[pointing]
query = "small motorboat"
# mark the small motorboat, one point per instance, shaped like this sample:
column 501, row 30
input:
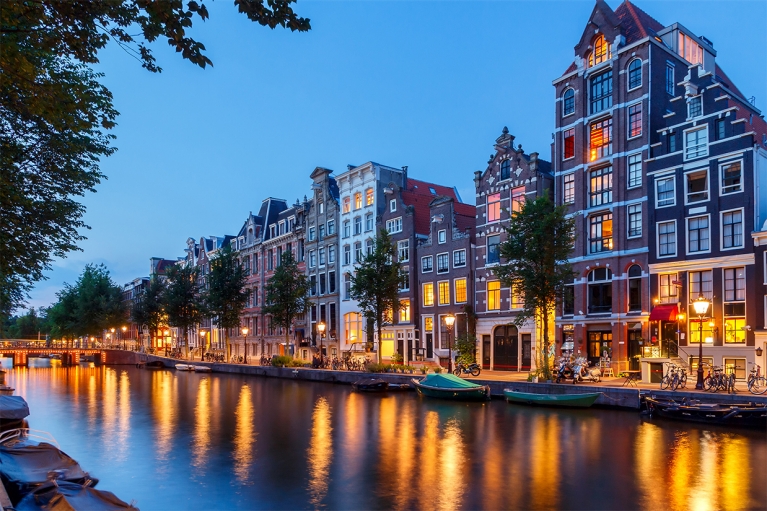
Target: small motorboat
column 154, row 364
column 370, row 385
column 584, row 400
column 184, row 367
column 201, row 369
column 13, row 411
column 60, row 495
column 448, row 386
column 728, row 414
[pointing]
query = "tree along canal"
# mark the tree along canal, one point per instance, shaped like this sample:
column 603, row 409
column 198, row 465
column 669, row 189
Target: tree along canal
column 173, row 440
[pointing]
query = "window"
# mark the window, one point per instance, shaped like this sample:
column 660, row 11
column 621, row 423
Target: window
column 601, row 92
column 669, row 78
column 404, row 311
column 689, row 49
column 671, row 142
column 667, row 288
column 428, row 294
column 635, row 74
column 369, row 222
column 568, row 137
column 494, row 207
column 322, row 256
column 358, row 255
column 701, row 283
column 369, row 246
column 394, row 225
column 517, row 198
column 601, row 51
column 517, row 298
column 331, row 254
column 321, row 276
column 731, row 177
column 493, row 249
column 600, row 186
column 443, row 263
column 494, row 295
column 735, row 365
column 568, row 301
column 696, row 183
column 444, row 292
column 347, row 286
column 311, row 234
column 321, row 207
column 428, row 324
column 600, row 291
column 313, row 285
column 405, row 282
column 322, row 232
column 459, row 258
column 312, row 259
column 708, row 335
column 697, row 234
column 720, row 129
column 393, row 205
column 369, row 197
column 665, row 192
column 601, row 138
column 331, row 227
column 358, row 200
column 635, row 120
column 427, row 264
column 357, row 225
column 347, row 229
column 634, row 213
column 666, row 239
column 347, row 204
column 568, row 192
column 347, row 254
column 442, row 236
column 734, row 305
column 353, row 322
column 331, row 283
column 270, row 261
column 568, row 102
column 732, row 229
column 505, row 169
column 601, row 233
column 403, row 251
column 460, row 290
column 635, row 288
column 635, row 170
column 694, row 107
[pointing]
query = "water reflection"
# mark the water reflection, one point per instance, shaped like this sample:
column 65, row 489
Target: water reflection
column 320, row 453
column 451, row 471
column 244, row 436
column 201, row 426
column 163, row 401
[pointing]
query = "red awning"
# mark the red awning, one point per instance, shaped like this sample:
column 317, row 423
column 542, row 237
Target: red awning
column 663, row 313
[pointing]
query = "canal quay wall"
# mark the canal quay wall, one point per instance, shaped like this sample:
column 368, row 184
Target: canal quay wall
column 612, row 396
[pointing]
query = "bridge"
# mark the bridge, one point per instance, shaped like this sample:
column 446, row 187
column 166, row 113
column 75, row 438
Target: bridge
column 21, row 350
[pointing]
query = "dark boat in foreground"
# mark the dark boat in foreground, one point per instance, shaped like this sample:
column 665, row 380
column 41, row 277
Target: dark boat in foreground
column 377, row 385
column 584, row 400
column 13, row 411
column 448, row 386
column 63, row 496
column 742, row 414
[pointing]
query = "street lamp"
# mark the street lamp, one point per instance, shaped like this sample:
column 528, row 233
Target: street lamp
column 700, row 306
column 449, row 321
column 124, row 328
column 204, row 347
column 321, row 330
column 245, row 333
column 112, row 337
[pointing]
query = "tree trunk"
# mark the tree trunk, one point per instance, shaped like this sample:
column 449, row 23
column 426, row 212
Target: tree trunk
column 186, row 342
column 379, row 351
column 228, row 354
column 546, row 371
column 287, row 339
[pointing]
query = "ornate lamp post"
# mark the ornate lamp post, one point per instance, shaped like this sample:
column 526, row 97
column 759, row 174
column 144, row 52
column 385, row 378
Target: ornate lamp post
column 700, row 306
column 321, row 330
column 124, row 328
column 449, row 322
column 245, row 333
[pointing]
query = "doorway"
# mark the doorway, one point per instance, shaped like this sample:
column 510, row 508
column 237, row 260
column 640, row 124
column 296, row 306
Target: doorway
column 485, row 352
column 429, row 345
column 600, row 344
column 526, row 352
column 506, row 348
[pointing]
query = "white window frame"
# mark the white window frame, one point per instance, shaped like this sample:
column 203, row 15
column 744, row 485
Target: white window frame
column 563, row 102
column 699, row 97
column 721, row 176
column 439, row 295
column 403, row 245
column 392, row 205
column 369, row 216
column 685, row 148
column 657, row 239
column 658, row 180
column 628, row 121
column 446, row 254
column 742, row 230
column 628, row 221
column 431, row 265
column 423, row 294
column 394, row 225
column 628, row 170
column 442, row 236
column 687, row 234
column 687, row 191
column 628, row 74
column 455, row 289
column 565, row 198
column 464, row 258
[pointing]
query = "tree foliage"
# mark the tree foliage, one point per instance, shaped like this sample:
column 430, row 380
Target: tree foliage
column 148, row 309
column 182, row 300
column 376, row 284
column 55, row 114
column 466, row 347
column 287, row 294
column 225, row 295
column 27, row 326
column 540, row 238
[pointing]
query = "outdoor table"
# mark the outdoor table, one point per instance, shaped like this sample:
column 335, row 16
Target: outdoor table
column 632, row 377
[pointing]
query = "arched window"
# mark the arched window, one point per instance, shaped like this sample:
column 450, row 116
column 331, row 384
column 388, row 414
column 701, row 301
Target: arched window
column 635, row 74
column 600, row 291
column 505, row 169
column 601, row 51
column 635, row 288
column 568, row 102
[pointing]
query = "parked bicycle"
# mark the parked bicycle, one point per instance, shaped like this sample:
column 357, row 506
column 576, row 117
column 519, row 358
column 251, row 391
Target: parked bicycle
column 757, row 383
column 675, row 377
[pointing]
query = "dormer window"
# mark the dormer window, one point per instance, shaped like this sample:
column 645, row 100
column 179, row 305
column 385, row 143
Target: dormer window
column 601, row 51
column 432, row 190
column 505, row 170
column 689, row 50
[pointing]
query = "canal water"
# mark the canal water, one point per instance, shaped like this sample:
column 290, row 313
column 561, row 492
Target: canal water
column 177, row 440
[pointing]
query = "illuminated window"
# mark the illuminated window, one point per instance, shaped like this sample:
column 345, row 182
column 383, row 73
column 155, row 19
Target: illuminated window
column 353, row 327
column 494, row 295
column 369, row 197
column 689, row 49
column 600, row 139
column 428, row 324
column 404, row 311
column 708, row 331
column 357, row 200
column 600, row 186
column 444, row 292
column 601, row 233
column 569, row 189
column 635, row 120
column 428, row 294
column 568, row 137
column 494, row 207
column 667, row 289
column 347, row 204
column 601, row 51
column 568, row 102
column 460, row 290
column 517, row 198
column 517, row 298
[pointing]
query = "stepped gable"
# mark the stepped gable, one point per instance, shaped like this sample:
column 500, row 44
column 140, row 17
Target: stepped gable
column 418, row 194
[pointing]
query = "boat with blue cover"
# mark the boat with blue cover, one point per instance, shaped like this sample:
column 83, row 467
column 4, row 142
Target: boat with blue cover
column 448, row 386
column 583, row 400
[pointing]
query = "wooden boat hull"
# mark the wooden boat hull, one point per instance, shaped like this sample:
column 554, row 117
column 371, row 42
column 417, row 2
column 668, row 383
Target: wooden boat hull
column 184, row 367
column 370, row 385
column 746, row 415
column 481, row 393
column 201, row 369
column 559, row 400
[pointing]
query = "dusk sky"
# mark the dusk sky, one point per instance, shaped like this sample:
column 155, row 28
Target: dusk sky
column 429, row 85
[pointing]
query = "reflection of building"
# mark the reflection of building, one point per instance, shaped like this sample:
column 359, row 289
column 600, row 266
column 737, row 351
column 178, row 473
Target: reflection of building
column 511, row 176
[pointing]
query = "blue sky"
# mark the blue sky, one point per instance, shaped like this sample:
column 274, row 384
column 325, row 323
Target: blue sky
column 424, row 84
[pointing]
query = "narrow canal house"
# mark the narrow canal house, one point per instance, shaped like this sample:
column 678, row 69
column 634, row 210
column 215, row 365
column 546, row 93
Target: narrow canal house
column 408, row 217
column 199, row 254
column 511, row 177
column 322, row 264
column 248, row 246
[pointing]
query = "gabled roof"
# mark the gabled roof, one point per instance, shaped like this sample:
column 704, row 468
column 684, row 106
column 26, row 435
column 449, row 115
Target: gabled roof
column 635, row 23
column 419, row 194
column 722, row 77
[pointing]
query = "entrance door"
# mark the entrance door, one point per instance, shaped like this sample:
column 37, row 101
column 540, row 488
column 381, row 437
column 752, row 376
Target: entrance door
column 505, row 348
column 635, row 350
column 485, row 352
column 668, row 335
column 600, row 343
column 429, row 345
column 526, row 349
column 400, row 347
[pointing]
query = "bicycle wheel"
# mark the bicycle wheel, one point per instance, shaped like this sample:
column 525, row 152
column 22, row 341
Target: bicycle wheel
column 683, row 381
column 457, row 371
column 674, row 383
column 731, row 383
column 708, row 383
column 665, row 382
column 758, row 385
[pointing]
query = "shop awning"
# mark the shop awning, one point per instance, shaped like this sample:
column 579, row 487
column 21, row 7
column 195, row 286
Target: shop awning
column 663, row 313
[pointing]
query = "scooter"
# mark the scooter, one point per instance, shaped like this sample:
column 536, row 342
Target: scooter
column 472, row 369
column 565, row 370
column 582, row 372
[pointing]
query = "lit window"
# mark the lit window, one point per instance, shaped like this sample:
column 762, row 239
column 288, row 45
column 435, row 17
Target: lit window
column 568, row 189
column 601, row 92
column 517, row 198
column 601, row 138
column 404, row 311
column 732, row 229
column 734, row 305
column 635, row 120
column 494, row 295
column 731, row 177
column 689, row 49
column 444, row 292
column 568, row 138
column 517, row 298
column 357, row 200
column 666, row 239
column 568, row 102
column 635, row 170
column 428, row 294
column 668, row 290
column 460, row 290
column 347, row 202
column 600, row 186
column 697, row 185
column 696, row 143
column 698, row 234
column 601, row 233
column 494, row 207
column 635, row 74
column 369, row 197
column 601, row 51
column 428, row 324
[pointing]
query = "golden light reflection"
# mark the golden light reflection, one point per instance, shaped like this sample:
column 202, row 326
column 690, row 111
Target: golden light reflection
column 452, row 478
column 428, row 462
column 244, row 436
column 320, row 452
column 109, row 405
column 544, row 483
column 92, row 401
column 202, row 425
column 735, row 478
column 163, row 385
column 123, row 414
column 405, row 447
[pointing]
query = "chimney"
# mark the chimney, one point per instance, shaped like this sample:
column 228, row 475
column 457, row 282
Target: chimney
column 534, row 161
column 477, row 177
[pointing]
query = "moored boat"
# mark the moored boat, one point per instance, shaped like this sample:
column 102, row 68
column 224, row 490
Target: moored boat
column 63, row 495
column 726, row 414
column 13, row 411
column 584, row 400
column 370, row 385
column 184, row 367
column 448, row 386
column 201, row 369
column 154, row 364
